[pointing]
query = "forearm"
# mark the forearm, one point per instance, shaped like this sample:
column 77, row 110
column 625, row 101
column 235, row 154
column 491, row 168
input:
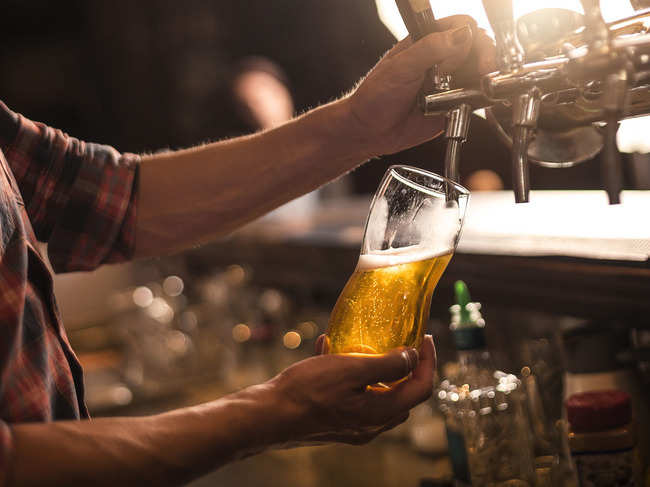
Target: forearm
column 167, row 450
column 192, row 196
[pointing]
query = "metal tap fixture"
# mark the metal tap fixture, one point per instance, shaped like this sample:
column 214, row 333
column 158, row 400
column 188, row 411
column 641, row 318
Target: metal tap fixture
column 563, row 84
column 420, row 21
column 525, row 105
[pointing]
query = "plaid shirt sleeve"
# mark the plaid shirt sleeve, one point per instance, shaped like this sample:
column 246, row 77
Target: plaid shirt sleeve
column 81, row 197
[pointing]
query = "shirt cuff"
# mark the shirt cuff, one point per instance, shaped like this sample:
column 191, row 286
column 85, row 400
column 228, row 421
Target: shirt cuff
column 98, row 223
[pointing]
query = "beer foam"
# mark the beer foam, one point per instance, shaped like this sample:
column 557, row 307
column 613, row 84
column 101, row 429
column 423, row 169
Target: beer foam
column 393, row 257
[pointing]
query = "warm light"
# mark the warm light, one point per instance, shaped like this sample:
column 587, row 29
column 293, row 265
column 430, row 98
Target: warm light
column 390, row 17
column 523, row 7
column 159, row 310
column 389, row 14
column 616, row 9
column 308, row 329
column 177, row 342
column 173, row 286
column 291, row 340
column 236, row 275
column 271, row 301
column 121, row 395
column 142, row 296
column 633, row 135
column 241, row 333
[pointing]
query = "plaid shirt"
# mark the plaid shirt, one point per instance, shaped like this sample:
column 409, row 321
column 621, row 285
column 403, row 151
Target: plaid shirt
column 80, row 198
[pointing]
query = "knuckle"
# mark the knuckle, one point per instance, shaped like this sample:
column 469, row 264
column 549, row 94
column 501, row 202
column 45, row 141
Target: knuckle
column 466, row 19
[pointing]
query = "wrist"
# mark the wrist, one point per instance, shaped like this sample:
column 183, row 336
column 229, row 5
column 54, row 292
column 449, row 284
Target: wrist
column 265, row 415
column 353, row 129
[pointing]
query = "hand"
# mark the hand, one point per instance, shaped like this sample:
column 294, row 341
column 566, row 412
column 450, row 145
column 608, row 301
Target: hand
column 327, row 399
column 384, row 105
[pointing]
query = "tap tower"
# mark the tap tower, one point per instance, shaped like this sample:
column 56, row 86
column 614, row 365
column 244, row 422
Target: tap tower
column 557, row 97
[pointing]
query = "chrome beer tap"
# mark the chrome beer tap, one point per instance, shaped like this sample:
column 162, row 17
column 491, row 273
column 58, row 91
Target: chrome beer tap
column 563, row 106
column 420, row 21
column 525, row 104
column 612, row 68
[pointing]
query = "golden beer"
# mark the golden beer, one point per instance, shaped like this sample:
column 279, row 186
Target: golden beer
column 386, row 302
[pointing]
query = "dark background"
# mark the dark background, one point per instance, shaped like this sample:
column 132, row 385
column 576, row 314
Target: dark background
column 151, row 74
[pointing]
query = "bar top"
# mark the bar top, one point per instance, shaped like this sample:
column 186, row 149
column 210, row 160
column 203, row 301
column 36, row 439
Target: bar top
column 578, row 224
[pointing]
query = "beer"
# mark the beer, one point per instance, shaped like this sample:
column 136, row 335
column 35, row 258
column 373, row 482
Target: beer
column 385, row 303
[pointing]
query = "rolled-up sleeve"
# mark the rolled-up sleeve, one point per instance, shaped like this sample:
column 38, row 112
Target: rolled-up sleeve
column 81, row 197
column 5, row 452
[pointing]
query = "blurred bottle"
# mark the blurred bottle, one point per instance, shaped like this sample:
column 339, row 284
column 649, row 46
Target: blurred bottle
column 484, row 409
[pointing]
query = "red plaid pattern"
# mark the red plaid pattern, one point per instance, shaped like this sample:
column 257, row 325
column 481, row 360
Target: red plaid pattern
column 80, row 198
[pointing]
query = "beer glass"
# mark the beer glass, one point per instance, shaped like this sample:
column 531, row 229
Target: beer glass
column 411, row 233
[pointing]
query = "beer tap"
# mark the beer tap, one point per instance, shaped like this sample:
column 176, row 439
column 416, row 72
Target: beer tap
column 525, row 104
column 420, row 21
column 558, row 110
column 611, row 66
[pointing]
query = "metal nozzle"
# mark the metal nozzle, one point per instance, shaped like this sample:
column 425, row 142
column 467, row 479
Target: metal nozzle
column 525, row 114
column 457, row 131
column 610, row 169
column 615, row 101
column 520, row 167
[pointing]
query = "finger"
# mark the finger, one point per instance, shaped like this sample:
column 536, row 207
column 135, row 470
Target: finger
column 318, row 347
column 446, row 23
column 483, row 52
column 435, row 356
column 486, row 53
column 454, row 21
column 388, row 367
column 424, row 371
column 410, row 393
column 481, row 60
column 322, row 346
column 447, row 49
column 399, row 47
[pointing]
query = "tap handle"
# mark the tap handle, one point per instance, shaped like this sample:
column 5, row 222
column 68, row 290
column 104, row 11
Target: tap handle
column 418, row 18
column 420, row 22
column 510, row 54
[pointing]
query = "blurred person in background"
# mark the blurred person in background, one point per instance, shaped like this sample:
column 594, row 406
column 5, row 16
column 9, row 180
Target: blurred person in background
column 93, row 205
column 262, row 99
column 261, row 92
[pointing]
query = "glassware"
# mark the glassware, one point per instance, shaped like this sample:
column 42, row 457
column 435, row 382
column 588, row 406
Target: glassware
column 411, row 233
column 484, row 409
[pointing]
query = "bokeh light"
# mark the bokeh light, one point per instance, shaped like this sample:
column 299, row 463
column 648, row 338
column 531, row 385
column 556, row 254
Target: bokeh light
column 292, row 340
column 241, row 333
column 173, row 286
column 142, row 296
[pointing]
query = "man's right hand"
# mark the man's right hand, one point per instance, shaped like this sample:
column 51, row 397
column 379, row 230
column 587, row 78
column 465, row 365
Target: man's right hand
column 326, row 398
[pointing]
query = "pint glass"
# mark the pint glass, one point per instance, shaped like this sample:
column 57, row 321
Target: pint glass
column 411, row 233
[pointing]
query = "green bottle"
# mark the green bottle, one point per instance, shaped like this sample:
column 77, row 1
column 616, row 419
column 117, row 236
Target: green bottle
column 484, row 414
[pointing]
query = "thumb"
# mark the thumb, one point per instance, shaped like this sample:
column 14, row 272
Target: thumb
column 389, row 367
column 446, row 49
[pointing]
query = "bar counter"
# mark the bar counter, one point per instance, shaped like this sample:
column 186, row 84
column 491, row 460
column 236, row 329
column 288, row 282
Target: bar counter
column 569, row 252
